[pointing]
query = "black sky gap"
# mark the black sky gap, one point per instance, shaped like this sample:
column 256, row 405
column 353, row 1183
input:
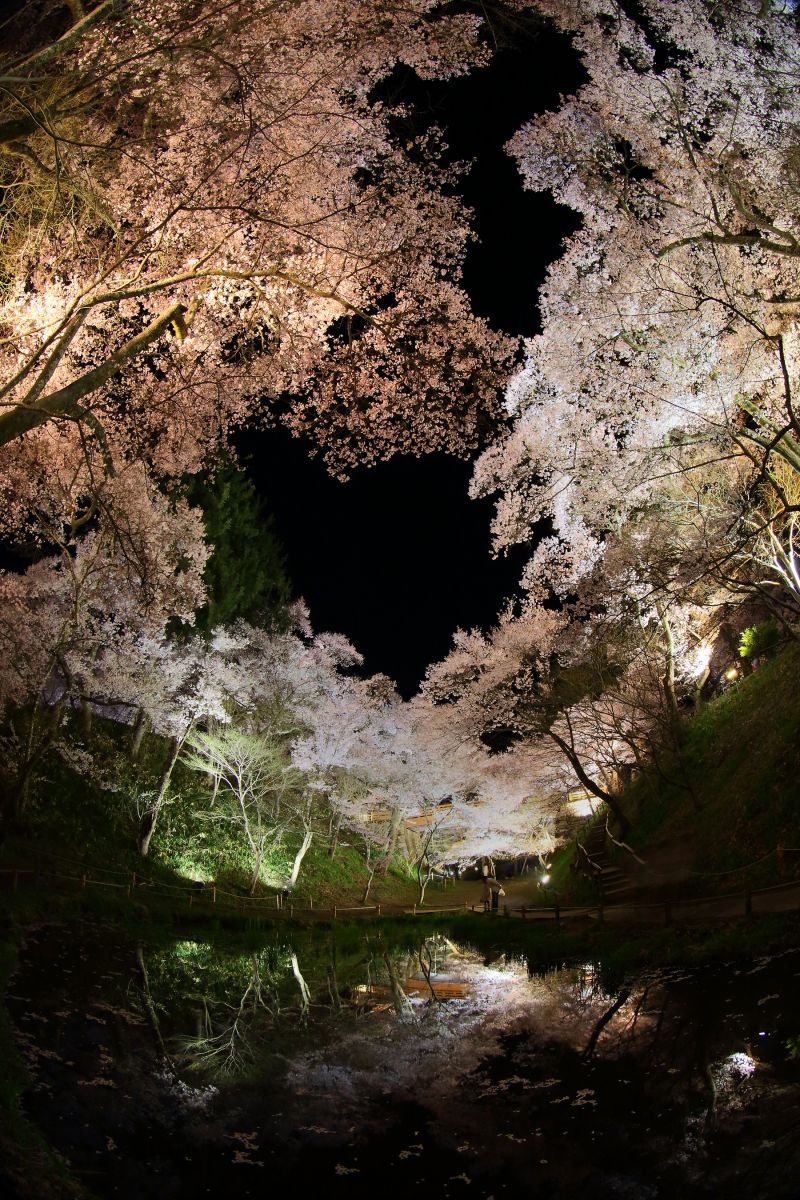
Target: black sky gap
column 399, row 557
column 395, row 559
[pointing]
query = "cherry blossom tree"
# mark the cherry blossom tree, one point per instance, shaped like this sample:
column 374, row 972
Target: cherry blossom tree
column 208, row 220
column 669, row 335
column 262, row 238
column 211, row 220
column 141, row 563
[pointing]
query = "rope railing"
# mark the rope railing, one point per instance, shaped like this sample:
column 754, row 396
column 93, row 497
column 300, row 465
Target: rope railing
column 778, row 851
column 241, row 904
column 213, row 894
column 77, row 862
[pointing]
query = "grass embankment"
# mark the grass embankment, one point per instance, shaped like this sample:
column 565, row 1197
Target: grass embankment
column 724, row 814
column 708, row 821
column 82, row 818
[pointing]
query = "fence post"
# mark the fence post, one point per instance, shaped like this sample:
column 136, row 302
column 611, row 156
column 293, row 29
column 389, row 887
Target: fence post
column 748, row 903
column 214, row 893
column 310, row 901
column 191, row 898
column 557, row 911
column 133, row 880
column 83, row 881
column 379, row 910
column 524, row 912
column 334, row 912
column 415, row 910
column 291, row 910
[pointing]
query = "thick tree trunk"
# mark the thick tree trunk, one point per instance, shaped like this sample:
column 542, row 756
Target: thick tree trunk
column 137, row 734
column 399, row 997
column 622, row 821
column 66, row 401
column 86, row 715
column 149, row 1006
column 337, row 825
column 600, row 1025
column 391, row 840
column 305, row 994
column 258, row 858
column 668, row 679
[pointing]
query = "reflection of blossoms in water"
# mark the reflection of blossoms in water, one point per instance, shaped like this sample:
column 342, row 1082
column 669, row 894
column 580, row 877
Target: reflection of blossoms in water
column 414, row 1038
column 191, row 1099
column 733, row 1069
column 410, row 1058
column 431, row 1031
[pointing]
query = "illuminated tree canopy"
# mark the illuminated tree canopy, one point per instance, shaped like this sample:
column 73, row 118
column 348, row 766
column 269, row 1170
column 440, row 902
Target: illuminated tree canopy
column 209, row 219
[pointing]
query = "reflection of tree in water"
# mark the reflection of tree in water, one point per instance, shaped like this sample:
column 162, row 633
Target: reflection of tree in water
column 237, row 1005
column 350, row 1017
column 229, row 1000
column 495, row 1064
column 228, row 1034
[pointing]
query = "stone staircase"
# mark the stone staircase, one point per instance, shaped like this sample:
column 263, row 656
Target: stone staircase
column 615, row 885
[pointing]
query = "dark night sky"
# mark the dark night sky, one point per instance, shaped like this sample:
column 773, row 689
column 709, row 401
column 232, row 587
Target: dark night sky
column 399, row 557
column 396, row 558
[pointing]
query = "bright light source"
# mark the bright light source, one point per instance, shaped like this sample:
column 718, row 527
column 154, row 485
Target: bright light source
column 545, row 879
column 698, row 660
column 731, row 672
column 581, row 808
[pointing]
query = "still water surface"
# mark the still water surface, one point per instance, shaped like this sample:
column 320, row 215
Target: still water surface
column 359, row 1066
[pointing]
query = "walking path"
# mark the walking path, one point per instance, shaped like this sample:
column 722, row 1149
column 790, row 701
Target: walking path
column 210, row 900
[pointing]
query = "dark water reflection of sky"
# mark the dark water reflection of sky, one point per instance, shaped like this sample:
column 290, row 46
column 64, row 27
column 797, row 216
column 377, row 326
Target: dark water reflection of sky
column 364, row 1067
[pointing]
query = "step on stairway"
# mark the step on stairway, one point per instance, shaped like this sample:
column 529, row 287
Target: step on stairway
column 615, row 884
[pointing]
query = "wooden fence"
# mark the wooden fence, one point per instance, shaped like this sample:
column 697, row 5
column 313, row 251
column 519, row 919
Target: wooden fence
column 210, row 898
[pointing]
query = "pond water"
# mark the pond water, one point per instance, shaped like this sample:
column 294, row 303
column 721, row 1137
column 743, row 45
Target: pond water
column 361, row 1066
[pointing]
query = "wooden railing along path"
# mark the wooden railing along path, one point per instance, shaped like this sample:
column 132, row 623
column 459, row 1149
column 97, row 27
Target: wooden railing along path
column 209, row 898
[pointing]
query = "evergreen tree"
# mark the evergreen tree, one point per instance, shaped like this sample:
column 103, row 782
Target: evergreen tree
column 246, row 571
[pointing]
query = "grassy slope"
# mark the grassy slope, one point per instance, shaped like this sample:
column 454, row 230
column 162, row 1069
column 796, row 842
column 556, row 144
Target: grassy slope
column 71, row 821
column 741, row 762
column 711, row 822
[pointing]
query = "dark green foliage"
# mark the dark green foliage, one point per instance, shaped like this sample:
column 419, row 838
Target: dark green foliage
column 741, row 755
column 760, row 641
column 246, row 572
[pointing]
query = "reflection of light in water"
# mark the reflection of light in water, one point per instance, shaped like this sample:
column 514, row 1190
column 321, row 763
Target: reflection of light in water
column 745, row 1064
column 430, row 1031
column 734, row 1068
column 192, row 1099
column 587, row 986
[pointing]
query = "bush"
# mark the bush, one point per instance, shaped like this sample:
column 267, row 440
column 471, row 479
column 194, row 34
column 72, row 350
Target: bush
column 760, row 641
